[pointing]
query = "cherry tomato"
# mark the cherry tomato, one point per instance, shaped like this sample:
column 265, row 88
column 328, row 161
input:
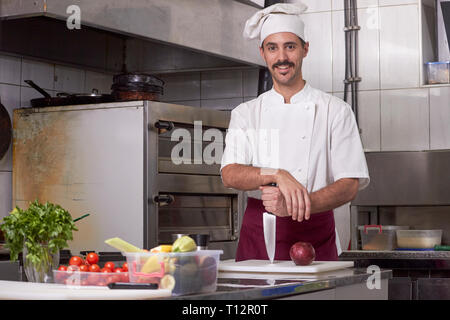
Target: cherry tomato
column 75, row 261
column 105, row 270
column 94, row 268
column 125, row 267
column 92, row 258
column 84, row 268
column 118, row 270
column 62, row 268
column 110, row 265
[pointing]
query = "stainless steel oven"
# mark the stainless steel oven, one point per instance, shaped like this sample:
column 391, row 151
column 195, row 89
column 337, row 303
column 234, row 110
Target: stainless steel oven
column 144, row 170
column 185, row 146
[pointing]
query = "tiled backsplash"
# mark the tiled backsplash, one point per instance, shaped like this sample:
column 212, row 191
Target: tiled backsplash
column 221, row 90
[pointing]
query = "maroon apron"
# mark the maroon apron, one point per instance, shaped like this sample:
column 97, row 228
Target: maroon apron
column 319, row 230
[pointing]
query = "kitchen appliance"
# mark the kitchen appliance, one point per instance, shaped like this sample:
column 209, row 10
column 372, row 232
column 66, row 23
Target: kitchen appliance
column 143, row 169
column 65, row 99
column 5, row 131
column 263, row 266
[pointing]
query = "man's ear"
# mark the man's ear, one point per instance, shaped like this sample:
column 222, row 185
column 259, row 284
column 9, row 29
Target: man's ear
column 305, row 49
column 261, row 52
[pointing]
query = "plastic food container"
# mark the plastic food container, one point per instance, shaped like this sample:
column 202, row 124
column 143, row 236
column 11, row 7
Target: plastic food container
column 184, row 272
column 438, row 72
column 379, row 237
column 80, row 278
column 418, row 239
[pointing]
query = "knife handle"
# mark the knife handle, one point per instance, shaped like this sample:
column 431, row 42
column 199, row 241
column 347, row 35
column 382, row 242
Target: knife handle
column 272, row 184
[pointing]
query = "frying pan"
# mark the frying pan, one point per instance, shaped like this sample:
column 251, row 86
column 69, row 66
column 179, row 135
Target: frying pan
column 5, row 131
column 65, row 99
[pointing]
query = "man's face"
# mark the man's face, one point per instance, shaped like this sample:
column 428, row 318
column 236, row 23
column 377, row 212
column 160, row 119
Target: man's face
column 284, row 53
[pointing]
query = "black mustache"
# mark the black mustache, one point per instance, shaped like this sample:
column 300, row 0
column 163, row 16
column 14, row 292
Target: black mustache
column 283, row 63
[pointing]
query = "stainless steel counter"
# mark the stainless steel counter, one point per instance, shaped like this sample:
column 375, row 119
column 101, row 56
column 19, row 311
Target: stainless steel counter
column 365, row 254
column 343, row 284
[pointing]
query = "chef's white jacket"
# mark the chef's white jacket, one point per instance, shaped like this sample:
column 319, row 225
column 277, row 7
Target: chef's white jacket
column 315, row 138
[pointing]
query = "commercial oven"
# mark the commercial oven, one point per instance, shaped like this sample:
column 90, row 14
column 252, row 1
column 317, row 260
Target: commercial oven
column 143, row 170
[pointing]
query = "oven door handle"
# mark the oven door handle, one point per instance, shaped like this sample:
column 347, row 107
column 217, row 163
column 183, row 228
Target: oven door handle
column 164, row 125
column 164, row 199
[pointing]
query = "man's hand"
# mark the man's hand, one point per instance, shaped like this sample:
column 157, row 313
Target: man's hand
column 273, row 201
column 294, row 195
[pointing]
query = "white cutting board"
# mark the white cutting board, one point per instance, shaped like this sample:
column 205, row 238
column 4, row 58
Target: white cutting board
column 18, row 290
column 281, row 266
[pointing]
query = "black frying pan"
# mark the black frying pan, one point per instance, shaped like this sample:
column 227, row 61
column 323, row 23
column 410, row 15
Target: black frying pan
column 65, row 99
column 5, row 131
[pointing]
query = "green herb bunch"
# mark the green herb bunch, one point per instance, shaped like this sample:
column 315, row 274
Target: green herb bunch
column 40, row 224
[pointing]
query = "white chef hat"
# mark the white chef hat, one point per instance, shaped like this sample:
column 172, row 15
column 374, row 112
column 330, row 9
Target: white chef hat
column 280, row 17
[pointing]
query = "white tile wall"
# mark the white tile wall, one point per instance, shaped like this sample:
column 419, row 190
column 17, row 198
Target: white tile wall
column 396, row 2
column 368, row 118
column 5, row 193
column 399, row 49
column 221, row 84
column 314, row 5
column 405, row 120
column 250, row 82
column 10, row 97
column 369, row 50
column 181, row 87
column 339, row 4
column 440, row 118
column 100, row 81
column 222, row 104
column 69, row 80
column 41, row 73
column 10, row 69
column 317, row 66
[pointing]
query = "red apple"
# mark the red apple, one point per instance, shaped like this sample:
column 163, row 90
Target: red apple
column 302, row 253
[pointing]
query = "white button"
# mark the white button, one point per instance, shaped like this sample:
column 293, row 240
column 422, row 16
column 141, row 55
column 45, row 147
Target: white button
column 299, row 170
column 307, row 107
column 303, row 137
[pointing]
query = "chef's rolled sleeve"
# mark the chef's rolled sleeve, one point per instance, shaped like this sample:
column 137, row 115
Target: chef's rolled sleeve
column 347, row 153
column 237, row 144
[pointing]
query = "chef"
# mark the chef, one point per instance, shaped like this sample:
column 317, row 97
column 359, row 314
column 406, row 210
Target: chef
column 301, row 139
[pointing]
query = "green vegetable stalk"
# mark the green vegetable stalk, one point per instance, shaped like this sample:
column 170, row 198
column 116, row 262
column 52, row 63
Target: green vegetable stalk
column 41, row 225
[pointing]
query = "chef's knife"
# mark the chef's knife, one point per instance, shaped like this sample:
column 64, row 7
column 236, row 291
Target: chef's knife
column 269, row 227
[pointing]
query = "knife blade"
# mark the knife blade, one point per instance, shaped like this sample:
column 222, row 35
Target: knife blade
column 270, row 227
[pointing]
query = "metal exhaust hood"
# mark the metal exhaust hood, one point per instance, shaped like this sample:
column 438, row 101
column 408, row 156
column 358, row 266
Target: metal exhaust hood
column 156, row 36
